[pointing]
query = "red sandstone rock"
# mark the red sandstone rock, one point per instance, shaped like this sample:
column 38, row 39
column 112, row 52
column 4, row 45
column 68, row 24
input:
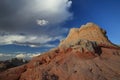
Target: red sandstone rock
column 87, row 58
column 13, row 73
column 90, row 32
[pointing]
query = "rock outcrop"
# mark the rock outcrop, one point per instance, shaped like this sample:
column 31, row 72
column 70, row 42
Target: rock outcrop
column 90, row 32
column 86, row 54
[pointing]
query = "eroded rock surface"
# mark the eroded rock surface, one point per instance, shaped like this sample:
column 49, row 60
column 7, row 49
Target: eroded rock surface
column 78, row 57
column 13, row 73
column 72, row 64
column 90, row 32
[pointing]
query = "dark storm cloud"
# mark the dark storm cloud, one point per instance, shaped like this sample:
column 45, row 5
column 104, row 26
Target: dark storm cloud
column 21, row 20
column 9, row 18
column 21, row 15
column 7, row 7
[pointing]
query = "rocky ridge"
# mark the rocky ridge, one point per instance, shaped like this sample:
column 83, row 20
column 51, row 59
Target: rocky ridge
column 81, row 56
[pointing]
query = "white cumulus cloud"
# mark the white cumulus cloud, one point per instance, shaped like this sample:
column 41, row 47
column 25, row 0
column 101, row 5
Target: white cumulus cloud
column 20, row 55
column 4, row 56
column 1, row 55
column 42, row 22
column 52, row 11
column 28, row 40
column 26, row 55
column 34, row 55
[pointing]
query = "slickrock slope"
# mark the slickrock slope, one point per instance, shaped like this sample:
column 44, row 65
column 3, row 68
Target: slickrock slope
column 78, row 57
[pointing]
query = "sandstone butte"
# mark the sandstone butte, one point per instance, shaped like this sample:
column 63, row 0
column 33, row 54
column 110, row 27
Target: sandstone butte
column 86, row 54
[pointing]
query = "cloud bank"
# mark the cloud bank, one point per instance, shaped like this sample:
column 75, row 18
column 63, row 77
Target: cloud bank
column 54, row 11
column 20, row 21
column 26, row 13
column 26, row 56
column 29, row 40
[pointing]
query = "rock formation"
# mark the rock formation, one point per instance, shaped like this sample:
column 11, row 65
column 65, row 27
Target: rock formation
column 90, row 32
column 86, row 54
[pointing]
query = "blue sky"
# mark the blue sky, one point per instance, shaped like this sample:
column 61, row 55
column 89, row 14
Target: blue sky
column 35, row 26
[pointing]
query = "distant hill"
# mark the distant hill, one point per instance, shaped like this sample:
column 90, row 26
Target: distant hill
column 14, row 62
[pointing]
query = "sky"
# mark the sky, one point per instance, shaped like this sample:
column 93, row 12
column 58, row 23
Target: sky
column 31, row 27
